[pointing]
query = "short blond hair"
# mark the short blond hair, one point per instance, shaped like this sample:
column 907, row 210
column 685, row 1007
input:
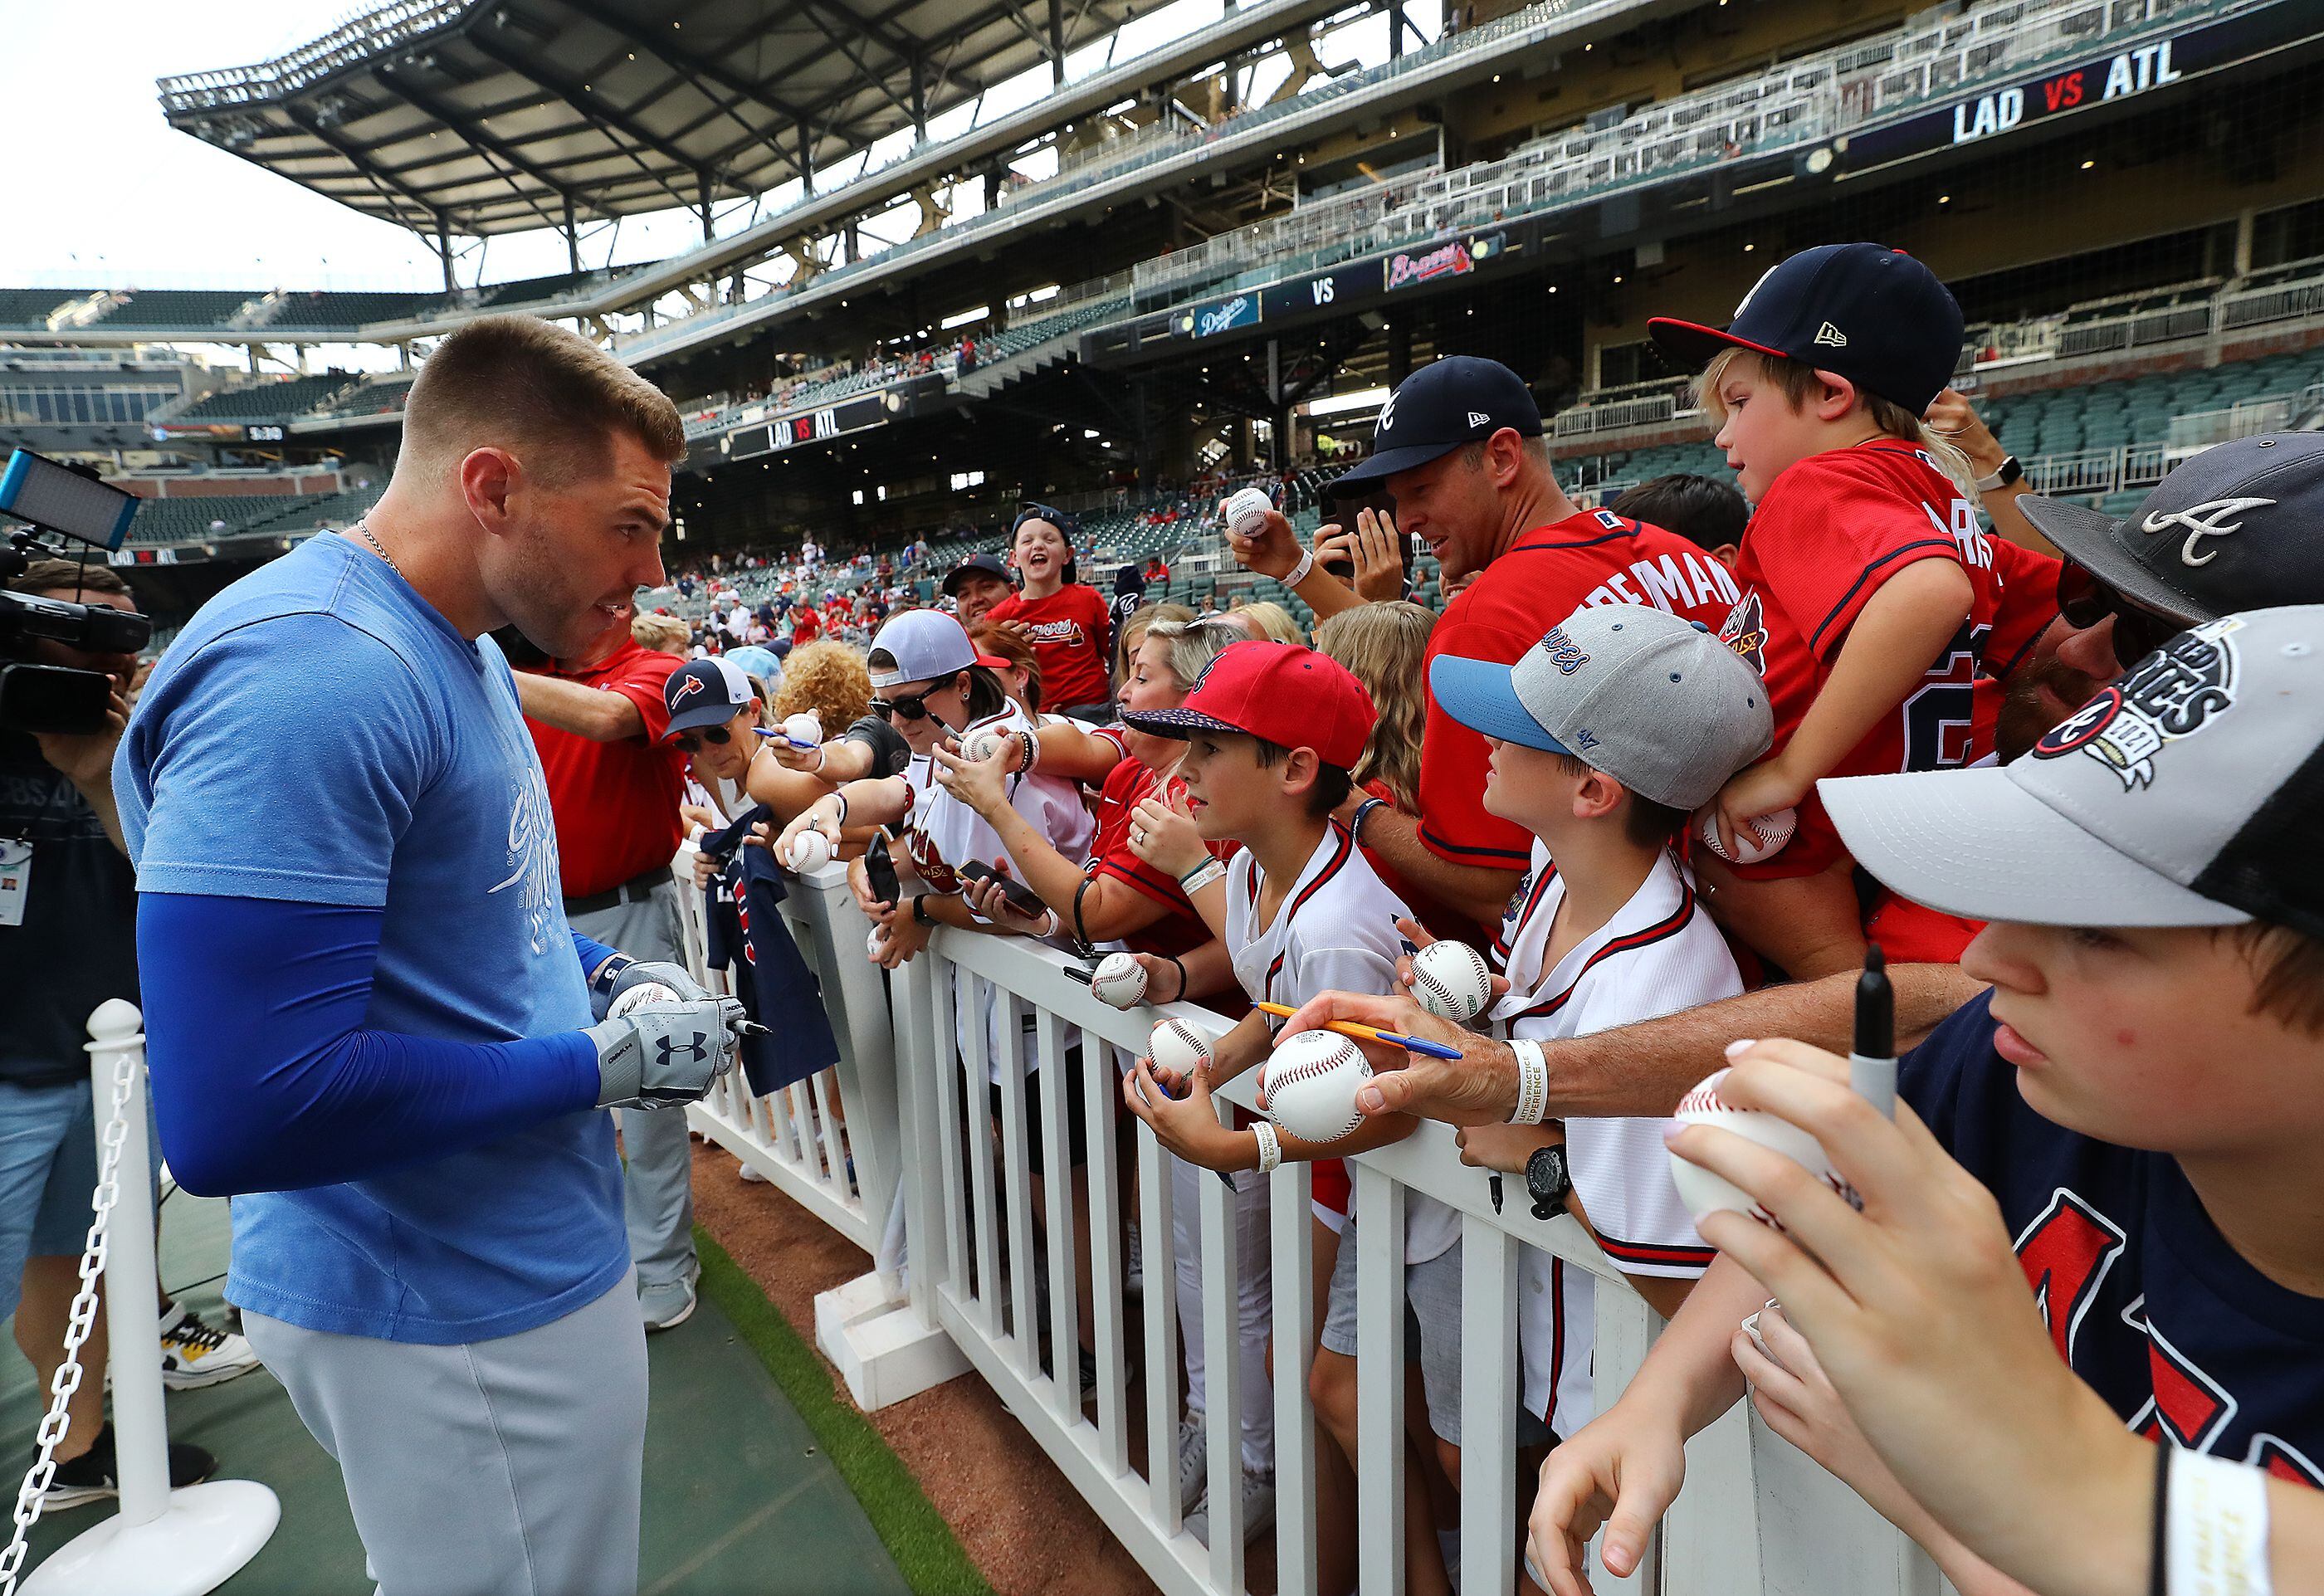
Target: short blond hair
column 548, row 396
column 1797, row 382
column 1272, row 622
column 665, row 634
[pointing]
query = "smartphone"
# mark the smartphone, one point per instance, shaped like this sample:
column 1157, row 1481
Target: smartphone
column 879, row 869
column 1021, row 897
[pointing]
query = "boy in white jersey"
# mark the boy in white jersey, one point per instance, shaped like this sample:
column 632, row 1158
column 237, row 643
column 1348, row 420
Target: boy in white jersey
column 1272, row 731
column 1605, row 737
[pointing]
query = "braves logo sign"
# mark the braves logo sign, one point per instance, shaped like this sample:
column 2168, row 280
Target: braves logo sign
column 1562, row 650
column 2173, row 693
column 687, row 690
column 2202, row 521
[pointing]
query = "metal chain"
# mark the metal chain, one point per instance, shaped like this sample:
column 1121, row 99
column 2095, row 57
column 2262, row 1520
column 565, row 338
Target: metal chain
column 33, row 1494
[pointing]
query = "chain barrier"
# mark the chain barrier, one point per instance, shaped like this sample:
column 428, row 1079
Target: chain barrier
column 32, row 1496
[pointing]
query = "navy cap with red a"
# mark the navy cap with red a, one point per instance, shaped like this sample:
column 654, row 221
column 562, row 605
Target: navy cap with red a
column 1863, row 311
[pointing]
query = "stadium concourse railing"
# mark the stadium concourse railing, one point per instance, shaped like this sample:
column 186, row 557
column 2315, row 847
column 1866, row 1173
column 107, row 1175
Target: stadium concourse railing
column 896, row 1151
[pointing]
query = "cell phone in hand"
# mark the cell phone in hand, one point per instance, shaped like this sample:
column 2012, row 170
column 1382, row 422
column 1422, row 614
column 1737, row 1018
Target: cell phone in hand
column 879, row 869
column 1022, row 898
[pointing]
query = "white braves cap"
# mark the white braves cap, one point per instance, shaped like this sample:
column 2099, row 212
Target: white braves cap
column 2185, row 794
column 926, row 645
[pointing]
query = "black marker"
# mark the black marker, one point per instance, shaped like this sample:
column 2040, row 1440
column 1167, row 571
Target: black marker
column 1872, row 1061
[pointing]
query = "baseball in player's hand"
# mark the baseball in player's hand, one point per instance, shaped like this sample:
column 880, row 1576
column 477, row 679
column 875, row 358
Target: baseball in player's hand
column 1162, row 834
column 1420, row 936
column 1761, row 789
column 1272, row 552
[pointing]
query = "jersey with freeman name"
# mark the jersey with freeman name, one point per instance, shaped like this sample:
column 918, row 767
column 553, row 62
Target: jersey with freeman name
column 2142, row 1296
column 1592, row 557
column 1335, row 931
column 1659, row 954
column 1834, row 529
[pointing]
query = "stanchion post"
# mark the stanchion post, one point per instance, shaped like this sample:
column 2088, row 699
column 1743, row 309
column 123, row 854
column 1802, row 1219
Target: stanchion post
column 133, row 1314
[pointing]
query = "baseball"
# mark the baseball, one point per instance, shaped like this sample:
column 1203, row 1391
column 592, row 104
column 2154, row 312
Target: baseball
column 1119, row 979
column 1774, row 828
column 803, row 727
column 1178, row 1046
column 809, row 850
column 1247, row 512
column 1452, row 980
column 876, row 945
column 982, row 745
column 1705, row 1193
column 1310, row 1082
column 640, row 995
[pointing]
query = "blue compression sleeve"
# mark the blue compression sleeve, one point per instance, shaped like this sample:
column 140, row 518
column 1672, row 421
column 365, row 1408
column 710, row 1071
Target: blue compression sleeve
column 263, row 1079
column 593, row 953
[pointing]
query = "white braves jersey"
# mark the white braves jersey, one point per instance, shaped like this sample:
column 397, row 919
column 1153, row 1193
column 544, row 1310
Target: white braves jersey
column 1334, row 932
column 943, row 834
column 1659, row 954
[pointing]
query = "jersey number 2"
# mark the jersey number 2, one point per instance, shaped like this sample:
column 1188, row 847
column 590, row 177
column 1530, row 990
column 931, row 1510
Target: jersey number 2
column 1940, row 715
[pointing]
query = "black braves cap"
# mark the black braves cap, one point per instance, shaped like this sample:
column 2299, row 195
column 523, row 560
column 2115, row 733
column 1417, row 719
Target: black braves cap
column 2234, row 527
column 975, row 564
column 1461, row 399
column 1869, row 313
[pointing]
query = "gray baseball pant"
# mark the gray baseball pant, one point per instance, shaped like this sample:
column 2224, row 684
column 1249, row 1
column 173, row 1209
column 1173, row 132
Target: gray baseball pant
column 501, row 1468
column 657, row 1169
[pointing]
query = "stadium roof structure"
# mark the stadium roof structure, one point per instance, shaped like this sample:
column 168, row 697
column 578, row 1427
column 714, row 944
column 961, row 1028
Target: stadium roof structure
column 486, row 116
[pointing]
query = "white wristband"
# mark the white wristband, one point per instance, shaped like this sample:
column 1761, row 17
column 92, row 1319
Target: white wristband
column 1270, row 1146
column 1298, row 573
column 2216, row 1536
column 1533, row 1082
column 1200, row 876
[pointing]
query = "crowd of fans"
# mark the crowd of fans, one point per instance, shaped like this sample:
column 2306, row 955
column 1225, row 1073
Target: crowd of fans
column 1680, row 762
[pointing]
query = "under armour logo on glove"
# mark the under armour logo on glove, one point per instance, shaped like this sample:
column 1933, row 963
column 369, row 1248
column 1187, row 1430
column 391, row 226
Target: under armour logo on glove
column 695, row 1051
column 2202, row 521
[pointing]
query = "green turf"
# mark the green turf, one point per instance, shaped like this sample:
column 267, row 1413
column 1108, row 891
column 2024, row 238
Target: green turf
column 915, row 1534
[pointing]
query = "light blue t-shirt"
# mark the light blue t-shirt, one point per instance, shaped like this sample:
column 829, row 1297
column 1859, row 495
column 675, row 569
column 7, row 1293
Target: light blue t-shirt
column 319, row 733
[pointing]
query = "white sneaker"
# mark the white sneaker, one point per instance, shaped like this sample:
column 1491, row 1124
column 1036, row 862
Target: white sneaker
column 1258, row 1509
column 195, row 1354
column 1194, row 1468
column 750, row 1177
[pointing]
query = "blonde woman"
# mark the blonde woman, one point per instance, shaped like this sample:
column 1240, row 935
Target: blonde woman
column 1272, row 622
column 665, row 634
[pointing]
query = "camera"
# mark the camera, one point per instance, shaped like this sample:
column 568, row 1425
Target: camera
column 68, row 502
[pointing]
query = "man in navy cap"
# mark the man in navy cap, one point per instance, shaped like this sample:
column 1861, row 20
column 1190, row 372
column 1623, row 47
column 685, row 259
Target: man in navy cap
column 975, row 585
column 1460, row 450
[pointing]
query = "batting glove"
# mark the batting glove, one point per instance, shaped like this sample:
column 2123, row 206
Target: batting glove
column 665, row 1054
column 605, row 991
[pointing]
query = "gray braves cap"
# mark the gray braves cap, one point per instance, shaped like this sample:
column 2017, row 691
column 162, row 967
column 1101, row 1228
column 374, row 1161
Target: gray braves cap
column 927, row 644
column 2232, row 526
column 1651, row 699
column 2187, row 794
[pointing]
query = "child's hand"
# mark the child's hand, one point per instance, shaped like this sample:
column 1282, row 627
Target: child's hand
column 1762, row 789
column 1496, row 987
column 1505, row 1148
column 1186, row 1126
column 1162, row 834
column 1794, row 1395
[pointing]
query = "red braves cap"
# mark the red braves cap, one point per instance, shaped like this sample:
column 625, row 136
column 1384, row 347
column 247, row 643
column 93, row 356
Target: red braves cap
column 1293, row 697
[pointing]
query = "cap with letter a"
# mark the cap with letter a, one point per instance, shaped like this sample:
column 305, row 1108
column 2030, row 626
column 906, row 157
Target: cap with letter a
column 1863, row 311
column 2185, row 794
column 1451, row 401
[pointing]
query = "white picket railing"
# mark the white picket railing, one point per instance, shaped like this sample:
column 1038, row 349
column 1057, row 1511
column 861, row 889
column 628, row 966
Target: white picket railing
column 979, row 1274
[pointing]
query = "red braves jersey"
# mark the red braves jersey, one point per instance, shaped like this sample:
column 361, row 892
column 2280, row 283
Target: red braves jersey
column 1832, row 529
column 1069, row 633
column 1592, row 557
column 615, row 804
column 1180, row 930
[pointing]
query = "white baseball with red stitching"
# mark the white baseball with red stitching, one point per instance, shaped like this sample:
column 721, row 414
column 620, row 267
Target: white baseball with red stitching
column 1310, row 1081
column 1247, row 512
column 1178, row 1046
column 1705, row 1193
column 1452, row 980
column 1120, row 980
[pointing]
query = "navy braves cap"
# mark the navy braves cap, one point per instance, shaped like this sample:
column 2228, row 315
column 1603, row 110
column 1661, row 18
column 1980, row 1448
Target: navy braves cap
column 1866, row 312
column 1461, row 399
column 705, row 693
column 2231, row 529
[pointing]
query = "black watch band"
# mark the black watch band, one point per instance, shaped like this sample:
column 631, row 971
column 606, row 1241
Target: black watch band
column 920, row 911
column 1548, row 1180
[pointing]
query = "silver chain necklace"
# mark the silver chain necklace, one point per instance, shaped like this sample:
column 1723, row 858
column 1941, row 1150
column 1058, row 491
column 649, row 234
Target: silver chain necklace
column 364, row 532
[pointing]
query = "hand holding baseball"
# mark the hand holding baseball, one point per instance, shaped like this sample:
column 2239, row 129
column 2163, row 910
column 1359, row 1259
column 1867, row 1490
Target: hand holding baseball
column 1762, row 789
column 1186, row 1126
column 981, row 784
column 1271, row 551
column 816, row 817
column 1497, row 987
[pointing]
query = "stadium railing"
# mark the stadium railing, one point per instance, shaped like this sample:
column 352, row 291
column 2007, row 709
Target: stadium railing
column 970, row 1264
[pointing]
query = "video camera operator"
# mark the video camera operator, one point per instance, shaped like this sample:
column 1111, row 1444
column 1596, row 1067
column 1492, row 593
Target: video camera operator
column 67, row 939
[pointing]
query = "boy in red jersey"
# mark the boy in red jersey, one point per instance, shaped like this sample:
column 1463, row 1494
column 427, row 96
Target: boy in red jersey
column 1066, row 621
column 1869, row 591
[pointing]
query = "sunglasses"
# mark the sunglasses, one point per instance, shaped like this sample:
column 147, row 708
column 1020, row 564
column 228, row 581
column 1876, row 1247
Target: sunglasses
column 2085, row 599
column 912, row 708
column 691, row 741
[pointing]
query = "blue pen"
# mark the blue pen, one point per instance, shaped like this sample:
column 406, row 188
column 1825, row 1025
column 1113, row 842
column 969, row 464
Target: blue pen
column 786, row 736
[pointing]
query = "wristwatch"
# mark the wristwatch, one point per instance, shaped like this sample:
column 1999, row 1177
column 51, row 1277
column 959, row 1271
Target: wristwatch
column 1547, row 1181
column 2008, row 474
